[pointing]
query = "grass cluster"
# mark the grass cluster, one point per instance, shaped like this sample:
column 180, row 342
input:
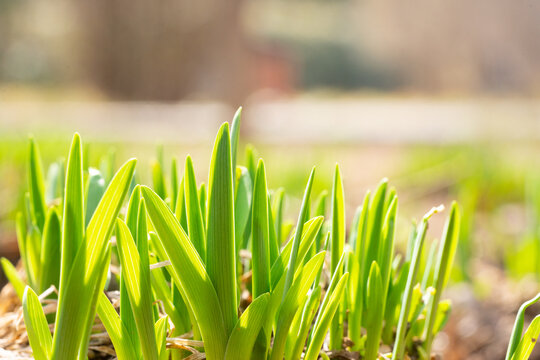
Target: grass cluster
column 214, row 270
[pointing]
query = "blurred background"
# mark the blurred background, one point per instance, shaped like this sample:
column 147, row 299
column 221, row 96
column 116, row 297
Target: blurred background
column 441, row 97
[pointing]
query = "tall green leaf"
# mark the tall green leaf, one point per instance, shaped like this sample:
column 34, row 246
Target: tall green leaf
column 13, row 277
column 374, row 300
column 220, row 251
column 189, row 273
column 416, row 255
column 193, row 210
column 302, row 218
column 73, row 218
column 245, row 332
column 50, row 251
column 174, row 183
column 136, row 274
column 124, row 344
column 327, row 312
column 357, row 285
column 260, row 234
column 526, row 345
column 518, row 327
column 235, row 136
column 297, row 339
column 36, row 186
column 78, row 296
column 337, row 242
column 289, row 306
column 37, row 328
column 447, row 251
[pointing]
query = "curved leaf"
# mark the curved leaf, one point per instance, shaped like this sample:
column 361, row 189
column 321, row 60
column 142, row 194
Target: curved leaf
column 247, row 328
column 188, row 272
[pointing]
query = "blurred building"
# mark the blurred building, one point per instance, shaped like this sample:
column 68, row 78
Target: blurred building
column 170, row 50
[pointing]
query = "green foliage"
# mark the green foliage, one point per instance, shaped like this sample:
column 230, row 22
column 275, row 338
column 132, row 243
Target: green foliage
column 221, row 264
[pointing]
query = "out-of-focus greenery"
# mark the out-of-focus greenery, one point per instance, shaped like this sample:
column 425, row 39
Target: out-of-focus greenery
column 498, row 187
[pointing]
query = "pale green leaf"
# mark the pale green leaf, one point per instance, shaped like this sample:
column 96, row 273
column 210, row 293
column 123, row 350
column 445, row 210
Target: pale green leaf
column 37, row 328
column 220, row 250
column 247, row 328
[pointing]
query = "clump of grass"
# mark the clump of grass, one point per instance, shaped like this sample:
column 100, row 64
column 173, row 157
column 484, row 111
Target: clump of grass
column 521, row 345
column 189, row 252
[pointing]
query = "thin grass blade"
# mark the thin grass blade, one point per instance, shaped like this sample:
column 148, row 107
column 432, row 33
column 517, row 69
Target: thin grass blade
column 245, row 332
column 50, row 251
column 195, row 224
column 220, row 252
column 13, row 277
column 327, row 314
column 136, row 274
column 88, row 271
column 37, row 328
column 260, row 242
column 188, row 272
column 36, row 186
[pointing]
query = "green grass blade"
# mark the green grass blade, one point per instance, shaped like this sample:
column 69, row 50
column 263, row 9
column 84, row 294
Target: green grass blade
column 242, row 205
column 202, row 203
column 36, row 186
column 76, row 315
column 445, row 259
column 326, row 315
column 302, row 218
column 189, row 273
column 526, row 345
column 180, row 210
column 50, row 251
column 178, row 316
column 194, row 216
column 95, row 188
column 174, row 183
column 260, row 242
column 320, row 210
column 73, row 217
column 375, row 225
column 416, row 255
column 244, row 334
column 298, row 339
column 126, row 310
column 277, row 213
column 33, row 255
column 310, row 230
column 13, row 277
column 21, row 231
column 124, row 346
column 331, row 286
column 37, row 328
column 395, row 294
column 220, row 251
column 518, row 327
column 357, row 284
column 386, row 251
column 374, row 300
column 272, row 236
column 136, row 274
column 337, row 241
column 293, row 299
column 235, row 136
column 161, row 337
